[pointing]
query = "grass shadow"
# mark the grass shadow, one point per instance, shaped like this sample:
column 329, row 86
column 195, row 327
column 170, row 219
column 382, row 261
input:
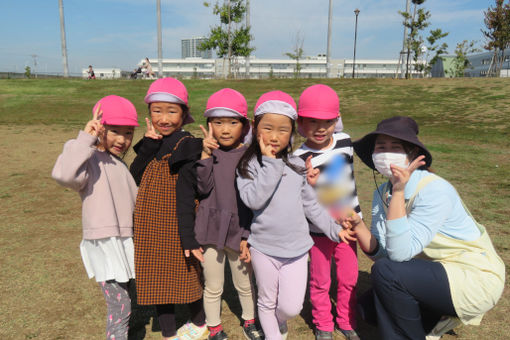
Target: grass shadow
column 230, row 295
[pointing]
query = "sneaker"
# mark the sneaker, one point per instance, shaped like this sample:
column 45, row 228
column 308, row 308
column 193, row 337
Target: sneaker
column 190, row 331
column 284, row 331
column 252, row 332
column 323, row 335
column 445, row 325
column 349, row 334
column 221, row 335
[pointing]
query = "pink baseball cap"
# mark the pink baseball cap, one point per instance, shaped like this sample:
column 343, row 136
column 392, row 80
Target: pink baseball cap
column 169, row 90
column 226, row 103
column 276, row 102
column 320, row 102
column 117, row 111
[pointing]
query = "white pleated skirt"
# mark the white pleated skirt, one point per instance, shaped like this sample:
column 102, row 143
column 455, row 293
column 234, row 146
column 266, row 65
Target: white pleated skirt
column 109, row 258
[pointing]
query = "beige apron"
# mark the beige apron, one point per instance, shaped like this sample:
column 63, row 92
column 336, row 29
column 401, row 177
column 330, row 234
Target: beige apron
column 476, row 273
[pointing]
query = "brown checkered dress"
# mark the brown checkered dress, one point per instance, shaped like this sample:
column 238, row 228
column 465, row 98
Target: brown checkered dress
column 163, row 274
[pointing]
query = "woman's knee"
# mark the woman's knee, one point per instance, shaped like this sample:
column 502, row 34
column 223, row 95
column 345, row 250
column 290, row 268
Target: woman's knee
column 382, row 273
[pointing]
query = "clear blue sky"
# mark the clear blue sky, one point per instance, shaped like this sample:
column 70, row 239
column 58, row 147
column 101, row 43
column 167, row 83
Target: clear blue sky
column 119, row 33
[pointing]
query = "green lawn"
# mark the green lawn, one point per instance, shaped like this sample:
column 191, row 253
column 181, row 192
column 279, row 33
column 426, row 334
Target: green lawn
column 45, row 290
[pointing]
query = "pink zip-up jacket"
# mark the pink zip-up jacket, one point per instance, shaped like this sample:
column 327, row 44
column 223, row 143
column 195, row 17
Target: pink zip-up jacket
column 106, row 187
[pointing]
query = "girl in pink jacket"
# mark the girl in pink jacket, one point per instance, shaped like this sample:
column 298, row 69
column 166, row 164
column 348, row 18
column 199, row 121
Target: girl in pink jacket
column 92, row 165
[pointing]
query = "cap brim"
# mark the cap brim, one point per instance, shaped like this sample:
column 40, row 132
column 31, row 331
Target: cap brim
column 222, row 112
column 318, row 114
column 163, row 97
column 364, row 148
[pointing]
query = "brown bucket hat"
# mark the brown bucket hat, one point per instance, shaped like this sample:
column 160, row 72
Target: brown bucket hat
column 404, row 128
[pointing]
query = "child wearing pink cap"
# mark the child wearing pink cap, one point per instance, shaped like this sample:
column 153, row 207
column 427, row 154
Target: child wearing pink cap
column 164, row 215
column 320, row 123
column 92, row 165
column 222, row 222
column 272, row 183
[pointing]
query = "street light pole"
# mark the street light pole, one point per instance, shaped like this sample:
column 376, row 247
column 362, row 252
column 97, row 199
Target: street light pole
column 160, row 49
column 63, row 39
column 328, row 52
column 356, row 12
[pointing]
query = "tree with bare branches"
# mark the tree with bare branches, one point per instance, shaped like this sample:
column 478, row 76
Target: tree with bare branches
column 297, row 53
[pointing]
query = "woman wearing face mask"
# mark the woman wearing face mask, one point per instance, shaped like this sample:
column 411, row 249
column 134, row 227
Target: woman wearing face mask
column 435, row 266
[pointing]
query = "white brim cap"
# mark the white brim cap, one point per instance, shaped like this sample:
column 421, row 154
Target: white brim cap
column 277, row 107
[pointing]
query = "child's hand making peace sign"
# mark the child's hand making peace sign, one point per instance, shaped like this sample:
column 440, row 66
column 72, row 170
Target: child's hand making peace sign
column 312, row 174
column 94, row 126
column 209, row 143
column 151, row 131
column 266, row 150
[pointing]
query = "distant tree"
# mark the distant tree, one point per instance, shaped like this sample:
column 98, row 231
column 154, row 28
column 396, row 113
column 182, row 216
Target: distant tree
column 297, row 54
column 230, row 39
column 416, row 23
column 461, row 62
column 28, row 72
column 497, row 22
column 435, row 48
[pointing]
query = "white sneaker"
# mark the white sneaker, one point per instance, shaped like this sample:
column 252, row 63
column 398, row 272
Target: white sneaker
column 444, row 325
column 190, row 331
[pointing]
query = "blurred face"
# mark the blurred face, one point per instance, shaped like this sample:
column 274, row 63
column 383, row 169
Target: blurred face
column 318, row 132
column 227, row 131
column 166, row 117
column 275, row 130
column 385, row 143
column 117, row 139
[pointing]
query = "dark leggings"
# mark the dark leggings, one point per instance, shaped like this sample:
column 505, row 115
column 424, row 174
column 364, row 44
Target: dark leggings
column 408, row 298
column 166, row 316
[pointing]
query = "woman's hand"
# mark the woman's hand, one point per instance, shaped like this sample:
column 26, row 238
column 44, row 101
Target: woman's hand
column 198, row 253
column 151, row 131
column 400, row 176
column 209, row 143
column 94, row 126
column 312, row 174
column 266, row 150
column 245, row 255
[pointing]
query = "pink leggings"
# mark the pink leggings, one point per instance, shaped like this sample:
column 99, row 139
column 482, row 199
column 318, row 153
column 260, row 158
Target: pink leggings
column 320, row 281
column 281, row 286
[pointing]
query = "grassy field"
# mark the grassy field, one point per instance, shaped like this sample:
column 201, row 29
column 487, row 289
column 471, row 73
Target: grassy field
column 45, row 290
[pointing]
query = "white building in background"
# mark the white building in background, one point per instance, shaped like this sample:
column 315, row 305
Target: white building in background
column 310, row 67
column 189, row 48
column 376, row 68
column 186, row 68
column 103, row 73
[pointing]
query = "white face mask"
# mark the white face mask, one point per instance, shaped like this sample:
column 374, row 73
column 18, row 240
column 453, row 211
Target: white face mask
column 382, row 161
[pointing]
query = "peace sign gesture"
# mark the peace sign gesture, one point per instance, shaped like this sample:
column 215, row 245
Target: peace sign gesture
column 400, row 176
column 209, row 143
column 151, row 131
column 312, row 174
column 94, row 126
column 266, row 150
